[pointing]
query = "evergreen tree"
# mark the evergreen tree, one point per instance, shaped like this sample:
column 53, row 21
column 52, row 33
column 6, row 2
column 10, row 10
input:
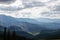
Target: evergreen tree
column 8, row 35
column 14, row 35
column 5, row 34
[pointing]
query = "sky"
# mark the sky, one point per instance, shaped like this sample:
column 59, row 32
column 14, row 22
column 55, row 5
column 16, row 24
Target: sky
column 30, row 8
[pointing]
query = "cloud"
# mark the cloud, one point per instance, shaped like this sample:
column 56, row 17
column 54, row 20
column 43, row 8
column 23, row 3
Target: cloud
column 10, row 8
column 36, row 8
column 45, row 13
column 53, row 0
column 57, row 8
column 51, row 14
column 6, row 1
column 54, row 7
column 20, row 5
column 29, row 4
column 16, row 6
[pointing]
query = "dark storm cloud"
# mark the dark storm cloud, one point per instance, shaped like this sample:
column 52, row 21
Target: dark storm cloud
column 6, row 1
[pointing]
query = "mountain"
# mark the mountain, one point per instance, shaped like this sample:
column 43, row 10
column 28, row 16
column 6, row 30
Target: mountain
column 14, row 21
column 16, row 28
column 19, row 31
column 11, row 21
column 7, row 21
column 1, row 30
column 29, row 20
column 44, row 34
column 48, row 34
column 24, row 34
column 48, row 20
column 52, row 24
column 28, row 25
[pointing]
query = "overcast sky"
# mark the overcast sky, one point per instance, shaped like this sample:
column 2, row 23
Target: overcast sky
column 30, row 8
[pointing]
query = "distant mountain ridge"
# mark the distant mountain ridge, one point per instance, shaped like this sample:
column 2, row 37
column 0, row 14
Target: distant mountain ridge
column 29, row 25
column 22, row 25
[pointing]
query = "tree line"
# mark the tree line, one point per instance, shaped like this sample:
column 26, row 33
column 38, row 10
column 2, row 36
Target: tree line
column 8, row 35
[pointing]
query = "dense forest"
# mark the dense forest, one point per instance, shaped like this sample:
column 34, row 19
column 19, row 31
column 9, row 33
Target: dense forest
column 7, row 35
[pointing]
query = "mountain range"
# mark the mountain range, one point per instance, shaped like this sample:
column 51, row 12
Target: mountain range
column 29, row 26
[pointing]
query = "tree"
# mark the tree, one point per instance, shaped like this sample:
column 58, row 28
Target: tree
column 8, row 35
column 14, row 35
column 5, row 34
